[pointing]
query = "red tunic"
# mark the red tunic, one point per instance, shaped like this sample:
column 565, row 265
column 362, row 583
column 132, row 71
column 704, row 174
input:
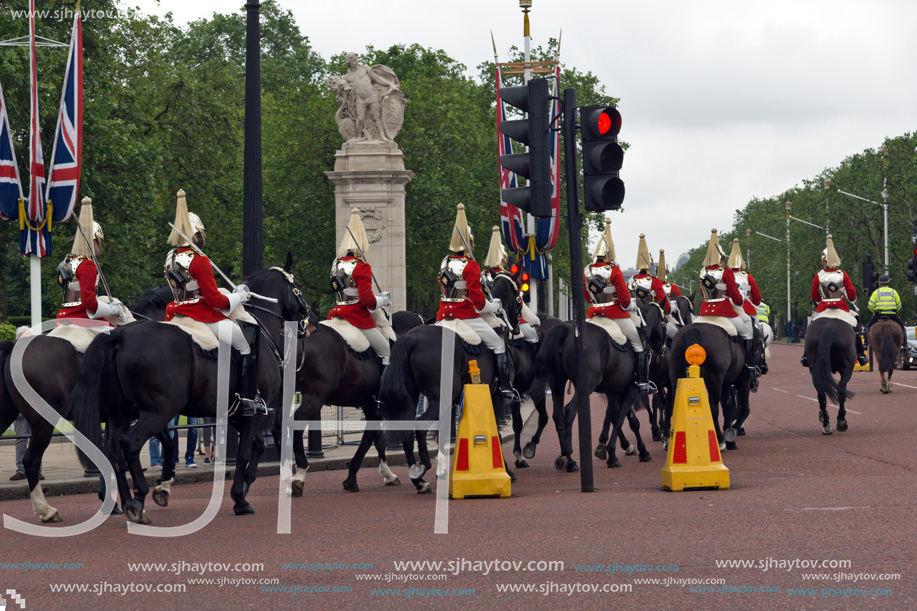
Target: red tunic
column 754, row 297
column 840, row 305
column 617, row 280
column 474, row 295
column 206, row 307
column 673, row 290
column 658, row 291
column 87, row 275
column 358, row 314
column 723, row 307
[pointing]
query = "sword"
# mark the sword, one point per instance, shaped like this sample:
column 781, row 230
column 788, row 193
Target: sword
column 228, row 281
column 92, row 255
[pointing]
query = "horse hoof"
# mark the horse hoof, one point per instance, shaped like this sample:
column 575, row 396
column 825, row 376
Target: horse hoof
column 297, row 488
column 630, row 451
column 572, row 467
column 741, row 431
column 512, row 476
column 731, row 445
column 521, row 464
column 55, row 517
column 614, row 463
column 657, row 436
column 349, row 486
column 416, row 471
column 826, row 430
column 160, row 497
column 841, row 425
column 145, row 519
column 560, row 463
column 116, row 511
column 424, row 488
column 133, row 510
column 730, row 435
column 394, row 482
column 528, row 451
column 243, row 509
column 600, row 452
column 722, row 446
column 645, row 457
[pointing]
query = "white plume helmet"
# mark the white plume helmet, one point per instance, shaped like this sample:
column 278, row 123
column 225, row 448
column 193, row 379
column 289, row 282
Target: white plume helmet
column 715, row 252
column 605, row 247
column 661, row 271
column 496, row 253
column 186, row 222
column 829, row 256
column 91, row 230
column 355, row 240
column 644, row 260
column 735, row 256
column 456, row 244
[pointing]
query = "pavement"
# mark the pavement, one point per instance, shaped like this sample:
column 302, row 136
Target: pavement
column 64, row 474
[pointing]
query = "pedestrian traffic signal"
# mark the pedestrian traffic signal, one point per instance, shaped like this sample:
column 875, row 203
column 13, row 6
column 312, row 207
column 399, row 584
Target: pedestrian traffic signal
column 602, row 158
column 533, row 131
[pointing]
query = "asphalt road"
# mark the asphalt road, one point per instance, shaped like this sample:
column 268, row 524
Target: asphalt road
column 845, row 501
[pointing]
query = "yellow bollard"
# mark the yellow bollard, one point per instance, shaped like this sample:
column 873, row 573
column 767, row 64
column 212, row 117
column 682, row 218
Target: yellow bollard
column 694, row 459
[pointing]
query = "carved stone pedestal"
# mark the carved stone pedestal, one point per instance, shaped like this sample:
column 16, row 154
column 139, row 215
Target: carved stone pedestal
column 371, row 176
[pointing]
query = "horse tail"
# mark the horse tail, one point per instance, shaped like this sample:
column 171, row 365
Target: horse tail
column 548, row 358
column 821, row 372
column 394, row 393
column 888, row 354
column 84, row 403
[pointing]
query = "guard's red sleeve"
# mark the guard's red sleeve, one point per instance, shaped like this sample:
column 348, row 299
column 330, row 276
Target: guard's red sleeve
column 660, row 295
column 363, row 276
column 472, row 276
column 851, row 290
column 86, row 275
column 732, row 289
column 617, row 278
column 816, row 294
column 755, row 293
column 675, row 290
column 202, row 271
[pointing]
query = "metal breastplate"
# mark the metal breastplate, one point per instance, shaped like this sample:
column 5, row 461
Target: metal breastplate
column 831, row 285
column 342, row 282
column 452, row 283
column 742, row 283
column 711, row 284
column 601, row 290
column 642, row 288
column 667, row 289
column 178, row 273
column 66, row 279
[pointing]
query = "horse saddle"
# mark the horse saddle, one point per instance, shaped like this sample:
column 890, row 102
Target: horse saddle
column 460, row 328
column 201, row 333
column 718, row 321
column 837, row 313
column 611, row 327
column 80, row 335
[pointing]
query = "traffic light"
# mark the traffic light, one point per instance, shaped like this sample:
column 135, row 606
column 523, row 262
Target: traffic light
column 870, row 276
column 533, row 131
column 523, row 280
column 912, row 264
column 602, row 158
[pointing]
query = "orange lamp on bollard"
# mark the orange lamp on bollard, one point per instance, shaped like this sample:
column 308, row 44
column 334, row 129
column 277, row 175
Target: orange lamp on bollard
column 694, row 459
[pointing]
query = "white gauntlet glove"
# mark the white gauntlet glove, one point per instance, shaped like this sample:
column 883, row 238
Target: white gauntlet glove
column 492, row 305
column 383, row 300
column 104, row 310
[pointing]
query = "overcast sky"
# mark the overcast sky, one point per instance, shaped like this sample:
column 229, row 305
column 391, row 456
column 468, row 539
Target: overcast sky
column 721, row 101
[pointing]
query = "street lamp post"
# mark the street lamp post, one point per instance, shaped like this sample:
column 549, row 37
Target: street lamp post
column 789, row 323
column 884, row 216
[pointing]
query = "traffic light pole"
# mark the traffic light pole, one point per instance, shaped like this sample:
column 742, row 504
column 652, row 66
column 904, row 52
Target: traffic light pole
column 574, row 228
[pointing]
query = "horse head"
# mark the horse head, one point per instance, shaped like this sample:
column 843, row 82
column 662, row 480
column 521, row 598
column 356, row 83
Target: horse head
column 506, row 290
column 279, row 283
column 685, row 306
column 654, row 316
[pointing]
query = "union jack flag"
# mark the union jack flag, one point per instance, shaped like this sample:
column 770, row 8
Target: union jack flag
column 34, row 237
column 66, row 153
column 10, row 185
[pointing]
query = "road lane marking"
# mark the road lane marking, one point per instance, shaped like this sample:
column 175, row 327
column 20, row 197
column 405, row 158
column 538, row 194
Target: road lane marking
column 807, row 398
column 781, row 390
column 905, row 385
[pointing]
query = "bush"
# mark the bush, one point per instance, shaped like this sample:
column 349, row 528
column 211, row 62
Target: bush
column 7, row 331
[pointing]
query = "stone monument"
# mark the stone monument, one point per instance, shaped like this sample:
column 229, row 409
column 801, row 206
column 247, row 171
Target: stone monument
column 369, row 169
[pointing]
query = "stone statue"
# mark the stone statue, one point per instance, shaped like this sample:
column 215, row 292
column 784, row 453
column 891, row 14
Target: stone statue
column 372, row 103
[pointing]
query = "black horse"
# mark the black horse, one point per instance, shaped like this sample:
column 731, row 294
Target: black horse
column 609, row 370
column 723, row 369
column 150, row 373
column 831, row 348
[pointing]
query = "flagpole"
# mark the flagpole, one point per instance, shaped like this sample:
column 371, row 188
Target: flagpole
column 530, row 224
column 34, row 259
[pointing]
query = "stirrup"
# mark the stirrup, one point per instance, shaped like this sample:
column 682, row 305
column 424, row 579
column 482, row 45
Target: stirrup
column 863, row 360
column 251, row 407
column 647, row 388
column 804, row 361
column 753, row 385
column 511, row 394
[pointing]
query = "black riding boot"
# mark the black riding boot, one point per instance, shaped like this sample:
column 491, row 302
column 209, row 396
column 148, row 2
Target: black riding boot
column 251, row 403
column 642, row 374
column 750, row 366
column 377, row 404
column 504, row 377
column 862, row 359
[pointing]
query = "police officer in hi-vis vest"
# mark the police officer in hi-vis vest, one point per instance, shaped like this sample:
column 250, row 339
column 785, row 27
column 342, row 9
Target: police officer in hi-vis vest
column 885, row 301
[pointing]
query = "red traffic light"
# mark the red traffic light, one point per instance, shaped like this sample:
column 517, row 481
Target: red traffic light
column 514, row 269
column 525, row 277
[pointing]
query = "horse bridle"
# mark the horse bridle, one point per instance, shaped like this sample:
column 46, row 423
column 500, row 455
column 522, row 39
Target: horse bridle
column 303, row 315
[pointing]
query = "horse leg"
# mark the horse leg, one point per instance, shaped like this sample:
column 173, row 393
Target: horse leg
column 528, row 451
column 251, row 471
column 130, row 445
column 569, row 418
column 558, row 415
column 823, row 416
column 517, row 430
column 41, row 437
column 657, row 405
column 715, row 396
column 302, row 464
column 424, row 465
column 388, row 476
column 367, row 440
column 842, row 400
column 615, row 407
column 247, row 428
column 634, row 422
column 601, row 450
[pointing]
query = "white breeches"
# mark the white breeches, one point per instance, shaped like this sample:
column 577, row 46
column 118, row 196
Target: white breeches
column 745, row 328
column 490, row 338
column 528, row 332
column 671, row 327
column 238, row 339
column 378, row 342
column 629, row 329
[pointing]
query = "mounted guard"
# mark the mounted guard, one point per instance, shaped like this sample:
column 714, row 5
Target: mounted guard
column 352, row 281
column 831, row 291
column 497, row 264
column 462, row 298
column 673, row 319
column 750, row 294
column 78, row 276
column 723, row 298
column 608, row 296
column 644, row 286
column 189, row 273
